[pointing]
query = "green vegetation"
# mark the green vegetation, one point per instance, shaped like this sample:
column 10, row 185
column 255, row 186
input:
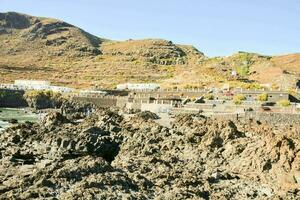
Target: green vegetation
column 209, row 96
column 262, row 97
column 245, row 57
column 191, row 86
column 284, row 103
column 274, row 86
column 251, row 86
column 238, row 99
column 11, row 98
column 42, row 93
column 243, row 70
column 245, row 60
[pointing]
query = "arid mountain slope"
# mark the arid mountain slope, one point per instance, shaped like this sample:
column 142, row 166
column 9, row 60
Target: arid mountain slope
column 43, row 48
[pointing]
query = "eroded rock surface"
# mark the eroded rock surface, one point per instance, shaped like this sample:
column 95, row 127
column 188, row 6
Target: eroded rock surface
column 106, row 156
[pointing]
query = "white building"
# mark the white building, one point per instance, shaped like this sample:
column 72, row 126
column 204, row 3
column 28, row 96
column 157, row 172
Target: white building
column 32, row 83
column 122, row 86
column 61, row 89
column 35, row 85
column 138, row 86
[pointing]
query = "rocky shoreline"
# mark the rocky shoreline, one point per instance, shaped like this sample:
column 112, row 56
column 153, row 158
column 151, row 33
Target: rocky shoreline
column 75, row 154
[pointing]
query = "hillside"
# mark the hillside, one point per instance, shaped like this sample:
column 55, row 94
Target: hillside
column 43, row 48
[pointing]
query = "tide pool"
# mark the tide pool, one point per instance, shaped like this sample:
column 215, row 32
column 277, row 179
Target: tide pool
column 22, row 115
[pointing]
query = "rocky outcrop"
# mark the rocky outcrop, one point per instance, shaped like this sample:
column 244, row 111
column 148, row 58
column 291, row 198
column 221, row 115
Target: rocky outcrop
column 12, row 99
column 76, row 110
column 146, row 115
column 107, row 156
column 43, row 99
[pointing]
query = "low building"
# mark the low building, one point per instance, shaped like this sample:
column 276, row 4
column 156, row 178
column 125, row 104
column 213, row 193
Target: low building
column 61, row 89
column 138, row 86
column 32, row 83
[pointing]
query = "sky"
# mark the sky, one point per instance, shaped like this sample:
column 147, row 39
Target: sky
column 215, row 27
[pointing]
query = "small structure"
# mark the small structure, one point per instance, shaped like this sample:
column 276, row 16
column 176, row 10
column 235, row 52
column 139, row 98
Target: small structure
column 138, row 86
column 226, row 87
column 233, row 73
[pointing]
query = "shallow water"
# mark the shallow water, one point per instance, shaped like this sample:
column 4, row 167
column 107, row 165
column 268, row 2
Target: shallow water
column 21, row 115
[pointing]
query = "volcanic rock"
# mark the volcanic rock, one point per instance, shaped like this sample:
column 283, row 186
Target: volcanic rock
column 107, row 156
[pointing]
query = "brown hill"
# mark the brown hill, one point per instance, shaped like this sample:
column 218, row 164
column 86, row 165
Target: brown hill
column 43, row 48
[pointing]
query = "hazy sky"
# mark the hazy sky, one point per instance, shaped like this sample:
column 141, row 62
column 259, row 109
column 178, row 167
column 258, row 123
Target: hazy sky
column 215, row 27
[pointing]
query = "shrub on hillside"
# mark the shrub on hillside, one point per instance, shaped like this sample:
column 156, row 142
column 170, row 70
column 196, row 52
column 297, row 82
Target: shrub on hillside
column 262, row 97
column 209, row 96
column 243, row 70
column 238, row 99
column 284, row 103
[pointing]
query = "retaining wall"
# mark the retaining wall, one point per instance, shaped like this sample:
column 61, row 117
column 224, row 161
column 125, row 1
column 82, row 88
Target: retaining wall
column 99, row 102
column 270, row 118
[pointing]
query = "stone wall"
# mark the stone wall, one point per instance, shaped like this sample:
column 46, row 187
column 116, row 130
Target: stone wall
column 169, row 93
column 99, row 102
column 270, row 118
column 156, row 108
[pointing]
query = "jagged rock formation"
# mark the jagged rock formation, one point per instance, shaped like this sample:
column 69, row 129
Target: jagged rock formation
column 159, row 52
column 107, row 156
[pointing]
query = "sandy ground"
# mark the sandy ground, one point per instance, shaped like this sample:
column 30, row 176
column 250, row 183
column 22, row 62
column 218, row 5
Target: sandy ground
column 165, row 119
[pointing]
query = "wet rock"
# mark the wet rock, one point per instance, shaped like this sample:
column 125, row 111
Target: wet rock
column 13, row 121
column 55, row 119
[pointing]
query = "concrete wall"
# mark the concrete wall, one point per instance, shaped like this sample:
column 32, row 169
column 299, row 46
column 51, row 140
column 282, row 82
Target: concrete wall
column 157, row 108
column 199, row 105
column 169, row 94
column 273, row 96
column 185, row 111
column 269, row 118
